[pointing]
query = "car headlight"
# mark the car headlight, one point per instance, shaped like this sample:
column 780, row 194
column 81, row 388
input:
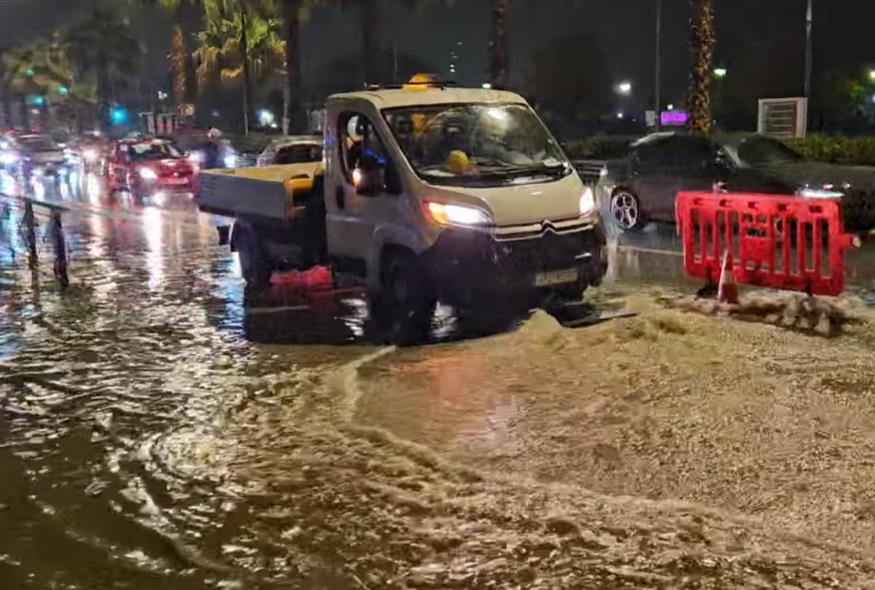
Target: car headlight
column 603, row 173
column 445, row 214
column 148, row 174
column 8, row 158
column 231, row 161
column 587, row 202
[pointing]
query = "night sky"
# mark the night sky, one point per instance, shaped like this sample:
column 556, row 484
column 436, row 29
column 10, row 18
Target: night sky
column 748, row 30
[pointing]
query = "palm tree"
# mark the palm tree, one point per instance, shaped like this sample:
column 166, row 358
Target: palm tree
column 238, row 43
column 293, row 12
column 702, row 41
column 178, row 53
column 499, row 55
column 219, row 53
column 369, row 27
column 104, row 46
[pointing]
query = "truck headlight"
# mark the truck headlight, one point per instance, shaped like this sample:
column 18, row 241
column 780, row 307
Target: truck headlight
column 148, row 174
column 444, row 214
column 587, row 202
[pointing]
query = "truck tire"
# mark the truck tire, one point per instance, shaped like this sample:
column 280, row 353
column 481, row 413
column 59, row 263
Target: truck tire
column 573, row 292
column 407, row 301
column 254, row 265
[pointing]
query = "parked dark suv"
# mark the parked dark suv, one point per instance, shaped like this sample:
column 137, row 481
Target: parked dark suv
column 643, row 186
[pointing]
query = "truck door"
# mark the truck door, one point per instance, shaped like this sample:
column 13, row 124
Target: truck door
column 355, row 213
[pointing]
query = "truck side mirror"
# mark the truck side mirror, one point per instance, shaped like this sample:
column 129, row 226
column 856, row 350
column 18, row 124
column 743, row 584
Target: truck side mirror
column 369, row 177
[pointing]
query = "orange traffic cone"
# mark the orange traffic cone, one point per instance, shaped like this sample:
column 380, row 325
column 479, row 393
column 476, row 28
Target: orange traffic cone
column 727, row 291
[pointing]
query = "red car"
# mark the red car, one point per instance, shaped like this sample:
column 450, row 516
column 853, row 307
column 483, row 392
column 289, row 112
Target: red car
column 145, row 167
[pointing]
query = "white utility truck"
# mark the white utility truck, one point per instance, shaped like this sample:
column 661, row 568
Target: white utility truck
column 425, row 193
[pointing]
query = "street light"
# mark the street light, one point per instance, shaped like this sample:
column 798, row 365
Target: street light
column 624, row 88
column 266, row 118
column 720, row 72
column 872, row 75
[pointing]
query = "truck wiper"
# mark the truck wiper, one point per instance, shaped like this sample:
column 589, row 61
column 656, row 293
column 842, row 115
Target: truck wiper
column 559, row 169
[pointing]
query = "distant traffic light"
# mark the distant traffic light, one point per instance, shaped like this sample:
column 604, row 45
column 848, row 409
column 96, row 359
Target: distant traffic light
column 118, row 116
column 36, row 100
column 63, row 91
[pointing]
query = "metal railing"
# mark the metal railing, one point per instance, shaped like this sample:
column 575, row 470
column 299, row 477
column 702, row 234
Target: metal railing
column 55, row 233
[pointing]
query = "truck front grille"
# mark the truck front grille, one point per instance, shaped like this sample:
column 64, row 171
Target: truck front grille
column 550, row 251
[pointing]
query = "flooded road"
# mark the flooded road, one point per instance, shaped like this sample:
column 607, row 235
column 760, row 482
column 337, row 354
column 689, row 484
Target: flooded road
column 159, row 428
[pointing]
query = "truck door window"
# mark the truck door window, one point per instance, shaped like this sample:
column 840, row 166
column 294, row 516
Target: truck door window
column 359, row 140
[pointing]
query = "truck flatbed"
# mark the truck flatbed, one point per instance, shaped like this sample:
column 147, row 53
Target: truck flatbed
column 272, row 192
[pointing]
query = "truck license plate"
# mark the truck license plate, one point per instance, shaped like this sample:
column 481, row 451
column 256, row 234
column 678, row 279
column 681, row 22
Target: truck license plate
column 556, row 277
column 177, row 180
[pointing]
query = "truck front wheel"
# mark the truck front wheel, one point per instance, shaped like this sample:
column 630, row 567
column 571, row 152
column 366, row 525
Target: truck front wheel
column 254, row 265
column 407, row 301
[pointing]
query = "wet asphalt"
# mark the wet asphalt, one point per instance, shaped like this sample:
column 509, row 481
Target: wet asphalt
column 160, row 425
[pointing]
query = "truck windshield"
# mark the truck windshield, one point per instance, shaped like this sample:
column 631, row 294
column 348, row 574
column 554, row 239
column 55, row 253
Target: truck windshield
column 482, row 144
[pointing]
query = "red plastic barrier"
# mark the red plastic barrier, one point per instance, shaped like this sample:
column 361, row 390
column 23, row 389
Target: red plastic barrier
column 781, row 242
column 317, row 278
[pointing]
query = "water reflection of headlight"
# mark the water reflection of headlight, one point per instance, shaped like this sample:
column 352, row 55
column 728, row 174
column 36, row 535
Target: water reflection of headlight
column 92, row 188
column 39, row 189
column 8, row 184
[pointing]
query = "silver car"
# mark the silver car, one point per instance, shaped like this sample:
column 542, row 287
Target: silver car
column 292, row 150
column 42, row 155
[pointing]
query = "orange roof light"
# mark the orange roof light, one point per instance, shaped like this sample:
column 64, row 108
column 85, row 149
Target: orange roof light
column 423, row 82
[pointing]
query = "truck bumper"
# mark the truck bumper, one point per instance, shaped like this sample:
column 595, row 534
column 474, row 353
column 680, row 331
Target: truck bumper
column 474, row 269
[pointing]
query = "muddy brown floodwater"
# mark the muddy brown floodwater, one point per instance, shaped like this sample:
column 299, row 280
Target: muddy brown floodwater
column 157, row 432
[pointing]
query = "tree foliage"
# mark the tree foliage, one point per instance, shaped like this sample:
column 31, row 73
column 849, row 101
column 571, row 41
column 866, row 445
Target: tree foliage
column 219, row 53
column 104, row 49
